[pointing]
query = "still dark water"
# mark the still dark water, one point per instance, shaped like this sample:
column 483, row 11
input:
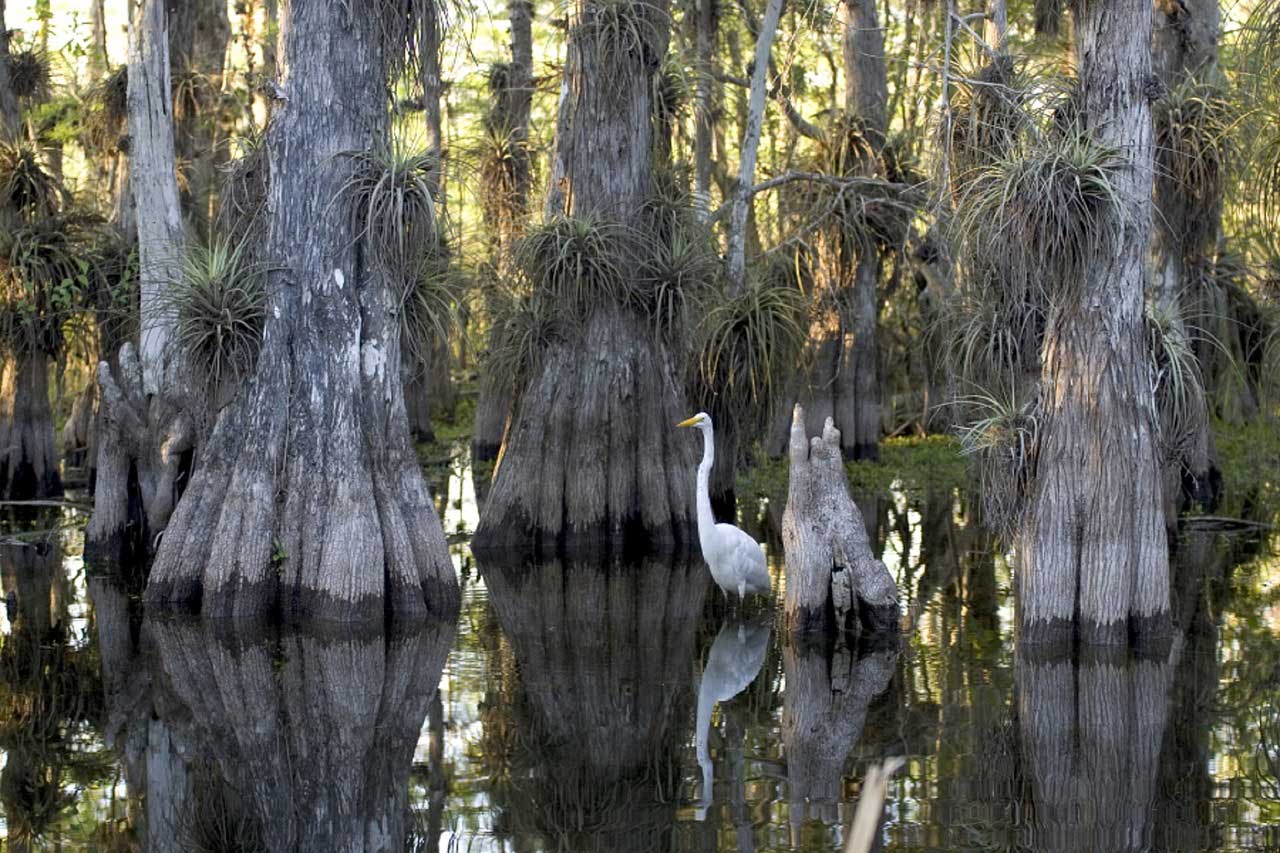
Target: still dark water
column 577, row 707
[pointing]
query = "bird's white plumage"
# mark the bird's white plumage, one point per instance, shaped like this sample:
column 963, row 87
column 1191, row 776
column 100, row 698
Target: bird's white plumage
column 737, row 564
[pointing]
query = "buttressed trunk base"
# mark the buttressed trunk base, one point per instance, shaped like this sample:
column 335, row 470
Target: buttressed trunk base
column 308, row 497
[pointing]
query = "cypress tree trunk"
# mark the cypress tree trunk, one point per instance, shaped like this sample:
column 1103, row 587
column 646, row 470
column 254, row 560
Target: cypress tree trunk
column 308, row 497
column 141, row 435
column 505, row 217
column 591, row 456
column 857, row 406
column 1184, row 239
column 28, row 453
column 833, row 579
column 1092, row 539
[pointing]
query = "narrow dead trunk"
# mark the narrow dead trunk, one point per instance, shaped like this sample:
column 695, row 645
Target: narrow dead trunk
column 28, row 453
column 10, row 118
column 1092, row 540
column 308, row 497
column 833, row 579
column 707, row 23
column 736, row 254
column 995, row 26
column 590, row 456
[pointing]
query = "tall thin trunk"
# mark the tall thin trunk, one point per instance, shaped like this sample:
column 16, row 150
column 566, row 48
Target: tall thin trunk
column 99, row 62
column 1184, row 239
column 736, row 255
column 591, row 458
column 307, row 496
column 995, row 27
column 154, row 185
column 707, row 23
column 506, row 216
column 1092, row 540
column 857, row 386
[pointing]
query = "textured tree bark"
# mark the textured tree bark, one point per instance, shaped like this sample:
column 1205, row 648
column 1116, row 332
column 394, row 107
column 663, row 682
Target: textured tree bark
column 597, row 649
column 143, row 452
column 141, row 434
column 1092, row 540
column 590, row 458
column 154, row 185
column 823, row 712
column 308, row 497
column 995, row 27
column 1091, row 733
column 833, row 579
column 28, row 453
column 1184, row 239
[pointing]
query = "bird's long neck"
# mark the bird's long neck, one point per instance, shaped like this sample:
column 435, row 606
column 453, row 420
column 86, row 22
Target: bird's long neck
column 706, row 521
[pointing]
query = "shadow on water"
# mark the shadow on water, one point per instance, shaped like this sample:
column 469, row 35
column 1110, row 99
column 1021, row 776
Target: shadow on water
column 588, row 706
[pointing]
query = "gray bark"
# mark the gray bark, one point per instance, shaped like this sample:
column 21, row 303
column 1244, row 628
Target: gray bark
column 736, row 254
column 590, row 456
column 141, row 443
column 141, row 434
column 867, row 97
column 1093, row 538
column 154, row 185
column 308, row 496
column 995, row 29
column 99, row 62
column 28, row 453
column 833, row 578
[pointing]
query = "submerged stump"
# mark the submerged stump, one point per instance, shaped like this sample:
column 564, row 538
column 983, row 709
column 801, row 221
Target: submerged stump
column 833, row 577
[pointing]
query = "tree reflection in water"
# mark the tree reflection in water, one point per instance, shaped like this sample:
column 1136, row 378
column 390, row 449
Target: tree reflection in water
column 603, row 655
column 243, row 737
column 570, row 720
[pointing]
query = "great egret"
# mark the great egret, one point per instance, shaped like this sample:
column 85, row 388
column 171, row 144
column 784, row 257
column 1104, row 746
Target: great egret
column 737, row 564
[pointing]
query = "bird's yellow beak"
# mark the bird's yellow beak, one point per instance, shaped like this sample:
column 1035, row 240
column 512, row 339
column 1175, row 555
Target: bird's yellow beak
column 690, row 422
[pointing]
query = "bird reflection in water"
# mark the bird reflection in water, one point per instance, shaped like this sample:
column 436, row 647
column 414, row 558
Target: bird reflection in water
column 733, row 663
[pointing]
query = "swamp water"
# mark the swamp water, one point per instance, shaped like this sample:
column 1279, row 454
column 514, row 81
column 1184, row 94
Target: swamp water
column 581, row 707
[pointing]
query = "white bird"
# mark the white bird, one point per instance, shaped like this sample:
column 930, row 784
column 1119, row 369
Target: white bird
column 737, row 564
